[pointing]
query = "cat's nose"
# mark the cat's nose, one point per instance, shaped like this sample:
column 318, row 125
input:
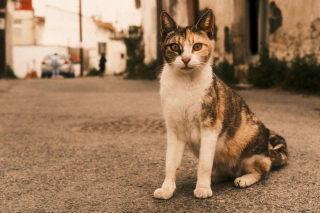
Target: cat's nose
column 185, row 60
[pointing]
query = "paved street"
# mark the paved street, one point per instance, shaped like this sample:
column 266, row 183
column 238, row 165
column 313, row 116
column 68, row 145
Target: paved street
column 92, row 144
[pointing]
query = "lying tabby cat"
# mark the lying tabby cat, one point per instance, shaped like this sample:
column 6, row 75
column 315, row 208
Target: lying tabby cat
column 206, row 115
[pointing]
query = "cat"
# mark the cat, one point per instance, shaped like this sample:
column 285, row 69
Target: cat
column 203, row 113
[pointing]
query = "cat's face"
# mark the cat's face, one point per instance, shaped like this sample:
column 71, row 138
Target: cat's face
column 187, row 49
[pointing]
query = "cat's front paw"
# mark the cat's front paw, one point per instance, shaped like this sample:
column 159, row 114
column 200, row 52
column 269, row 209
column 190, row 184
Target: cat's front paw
column 202, row 192
column 163, row 194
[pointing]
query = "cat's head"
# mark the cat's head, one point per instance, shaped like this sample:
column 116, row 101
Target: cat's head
column 187, row 49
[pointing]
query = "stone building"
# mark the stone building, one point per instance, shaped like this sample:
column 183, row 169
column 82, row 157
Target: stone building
column 299, row 32
column 243, row 27
column 287, row 27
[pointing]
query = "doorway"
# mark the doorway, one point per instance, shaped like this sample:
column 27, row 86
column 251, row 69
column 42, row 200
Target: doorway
column 253, row 19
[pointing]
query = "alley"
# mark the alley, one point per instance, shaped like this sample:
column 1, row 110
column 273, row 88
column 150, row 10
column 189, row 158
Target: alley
column 98, row 144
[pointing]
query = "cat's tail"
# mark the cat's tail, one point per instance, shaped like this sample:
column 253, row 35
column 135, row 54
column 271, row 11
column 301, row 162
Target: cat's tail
column 278, row 151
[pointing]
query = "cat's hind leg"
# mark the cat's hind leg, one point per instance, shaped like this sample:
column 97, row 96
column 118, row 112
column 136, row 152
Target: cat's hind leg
column 254, row 167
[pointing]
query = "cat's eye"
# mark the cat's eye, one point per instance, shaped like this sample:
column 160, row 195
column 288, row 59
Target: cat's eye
column 175, row 47
column 197, row 47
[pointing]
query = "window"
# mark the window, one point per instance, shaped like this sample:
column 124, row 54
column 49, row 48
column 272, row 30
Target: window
column 17, row 22
column 17, row 5
column 102, row 48
column 17, row 27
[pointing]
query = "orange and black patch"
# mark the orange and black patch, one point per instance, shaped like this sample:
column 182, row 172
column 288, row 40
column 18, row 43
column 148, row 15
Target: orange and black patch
column 278, row 151
column 244, row 135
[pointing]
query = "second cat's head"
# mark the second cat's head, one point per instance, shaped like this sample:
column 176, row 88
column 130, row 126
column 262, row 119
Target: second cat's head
column 187, row 49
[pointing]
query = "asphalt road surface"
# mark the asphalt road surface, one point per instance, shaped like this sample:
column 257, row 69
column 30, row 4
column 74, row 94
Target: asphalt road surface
column 98, row 145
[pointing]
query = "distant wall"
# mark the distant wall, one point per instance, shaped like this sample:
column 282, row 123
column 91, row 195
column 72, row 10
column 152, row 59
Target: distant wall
column 62, row 28
column 23, row 28
column 299, row 31
column 293, row 27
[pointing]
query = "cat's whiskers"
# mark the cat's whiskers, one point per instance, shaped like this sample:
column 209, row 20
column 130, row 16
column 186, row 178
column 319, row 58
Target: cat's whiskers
column 218, row 68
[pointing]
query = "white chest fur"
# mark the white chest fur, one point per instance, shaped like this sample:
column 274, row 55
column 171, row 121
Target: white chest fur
column 181, row 98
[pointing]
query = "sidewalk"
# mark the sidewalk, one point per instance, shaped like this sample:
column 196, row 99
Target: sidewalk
column 92, row 144
column 4, row 86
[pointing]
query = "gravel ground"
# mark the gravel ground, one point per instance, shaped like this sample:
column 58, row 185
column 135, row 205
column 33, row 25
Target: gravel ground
column 98, row 145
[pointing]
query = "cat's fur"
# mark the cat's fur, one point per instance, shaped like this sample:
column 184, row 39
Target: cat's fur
column 203, row 113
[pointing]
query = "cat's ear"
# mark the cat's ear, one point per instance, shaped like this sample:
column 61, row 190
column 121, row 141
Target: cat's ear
column 206, row 23
column 167, row 24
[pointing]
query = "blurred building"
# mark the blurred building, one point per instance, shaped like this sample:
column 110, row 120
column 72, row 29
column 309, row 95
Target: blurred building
column 58, row 31
column 287, row 27
column 23, row 24
column 298, row 30
column 243, row 27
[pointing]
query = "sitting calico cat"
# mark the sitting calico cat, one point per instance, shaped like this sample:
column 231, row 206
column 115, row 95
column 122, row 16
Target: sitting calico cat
column 203, row 113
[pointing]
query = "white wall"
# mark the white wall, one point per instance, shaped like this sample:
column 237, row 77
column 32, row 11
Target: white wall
column 27, row 58
column 62, row 28
column 26, row 34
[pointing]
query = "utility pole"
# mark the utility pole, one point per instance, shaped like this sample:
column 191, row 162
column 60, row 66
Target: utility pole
column 81, row 45
column 3, row 5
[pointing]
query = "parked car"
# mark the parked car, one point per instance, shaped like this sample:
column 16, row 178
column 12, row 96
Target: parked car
column 65, row 67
